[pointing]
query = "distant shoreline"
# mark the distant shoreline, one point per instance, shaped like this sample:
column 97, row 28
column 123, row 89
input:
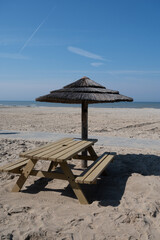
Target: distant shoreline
column 141, row 105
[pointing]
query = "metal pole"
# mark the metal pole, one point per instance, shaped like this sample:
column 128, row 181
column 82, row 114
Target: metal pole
column 84, row 129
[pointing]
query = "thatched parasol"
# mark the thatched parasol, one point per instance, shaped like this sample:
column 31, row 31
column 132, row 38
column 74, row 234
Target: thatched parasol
column 84, row 91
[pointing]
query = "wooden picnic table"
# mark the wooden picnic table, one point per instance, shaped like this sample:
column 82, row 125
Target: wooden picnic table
column 58, row 153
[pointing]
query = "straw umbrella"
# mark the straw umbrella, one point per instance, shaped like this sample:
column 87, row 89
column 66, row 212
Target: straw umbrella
column 84, row 91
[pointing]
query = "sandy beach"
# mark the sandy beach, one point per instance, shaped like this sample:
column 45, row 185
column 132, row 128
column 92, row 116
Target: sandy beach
column 125, row 204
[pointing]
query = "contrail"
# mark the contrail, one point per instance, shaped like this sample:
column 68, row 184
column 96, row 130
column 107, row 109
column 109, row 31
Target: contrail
column 85, row 53
column 32, row 35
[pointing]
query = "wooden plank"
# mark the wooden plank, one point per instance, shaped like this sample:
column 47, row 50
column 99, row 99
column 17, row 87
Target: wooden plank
column 66, row 149
column 45, row 148
column 45, row 155
column 95, row 169
column 75, row 186
column 40, row 149
column 92, row 153
column 73, row 151
column 52, row 166
column 84, row 129
column 54, row 149
column 12, row 164
column 23, row 177
column 45, row 174
column 57, row 151
column 91, row 168
column 70, row 152
column 18, row 165
column 37, row 149
column 98, row 170
column 51, row 175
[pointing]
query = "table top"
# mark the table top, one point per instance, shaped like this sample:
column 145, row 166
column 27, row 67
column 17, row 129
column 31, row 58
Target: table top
column 59, row 151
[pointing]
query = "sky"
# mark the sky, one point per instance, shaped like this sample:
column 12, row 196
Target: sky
column 47, row 44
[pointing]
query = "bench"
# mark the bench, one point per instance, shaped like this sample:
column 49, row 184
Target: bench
column 90, row 175
column 15, row 167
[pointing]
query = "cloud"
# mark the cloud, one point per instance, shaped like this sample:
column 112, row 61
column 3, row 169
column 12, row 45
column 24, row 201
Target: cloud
column 13, row 56
column 96, row 64
column 84, row 53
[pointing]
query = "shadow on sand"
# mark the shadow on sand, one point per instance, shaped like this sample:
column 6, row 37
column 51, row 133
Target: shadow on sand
column 8, row 133
column 109, row 189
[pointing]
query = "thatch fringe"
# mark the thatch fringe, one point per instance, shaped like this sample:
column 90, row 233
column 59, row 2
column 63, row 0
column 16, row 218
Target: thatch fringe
column 84, row 90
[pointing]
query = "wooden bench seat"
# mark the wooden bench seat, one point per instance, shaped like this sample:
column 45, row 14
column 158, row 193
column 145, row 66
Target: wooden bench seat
column 15, row 166
column 95, row 169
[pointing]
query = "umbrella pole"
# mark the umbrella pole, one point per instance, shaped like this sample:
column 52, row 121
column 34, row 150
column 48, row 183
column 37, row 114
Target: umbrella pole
column 84, row 129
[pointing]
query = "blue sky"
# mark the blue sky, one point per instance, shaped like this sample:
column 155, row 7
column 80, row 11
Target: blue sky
column 46, row 44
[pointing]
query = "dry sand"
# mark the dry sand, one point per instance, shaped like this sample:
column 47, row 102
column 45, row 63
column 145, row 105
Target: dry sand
column 125, row 203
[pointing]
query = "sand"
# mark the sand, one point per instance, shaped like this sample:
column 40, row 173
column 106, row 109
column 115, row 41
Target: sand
column 125, row 204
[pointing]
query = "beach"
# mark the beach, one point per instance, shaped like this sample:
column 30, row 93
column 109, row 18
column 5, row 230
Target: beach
column 125, row 204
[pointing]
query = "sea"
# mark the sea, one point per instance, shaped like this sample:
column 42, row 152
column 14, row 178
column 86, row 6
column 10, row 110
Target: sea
column 99, row 105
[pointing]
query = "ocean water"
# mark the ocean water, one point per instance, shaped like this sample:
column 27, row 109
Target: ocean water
column 99, row 105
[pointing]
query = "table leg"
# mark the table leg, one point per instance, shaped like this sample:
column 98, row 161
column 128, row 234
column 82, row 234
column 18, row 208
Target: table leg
column 92, row 152
column 75, row 186
column 52, row 166
column 23, row 177
column 84, row 163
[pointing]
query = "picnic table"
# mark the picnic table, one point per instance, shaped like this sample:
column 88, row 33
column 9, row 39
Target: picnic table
column 58, row 154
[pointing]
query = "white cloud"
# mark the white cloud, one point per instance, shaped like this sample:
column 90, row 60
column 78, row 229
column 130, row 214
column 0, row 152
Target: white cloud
column 84, row 53
column 96, row 64
column 13, row 56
